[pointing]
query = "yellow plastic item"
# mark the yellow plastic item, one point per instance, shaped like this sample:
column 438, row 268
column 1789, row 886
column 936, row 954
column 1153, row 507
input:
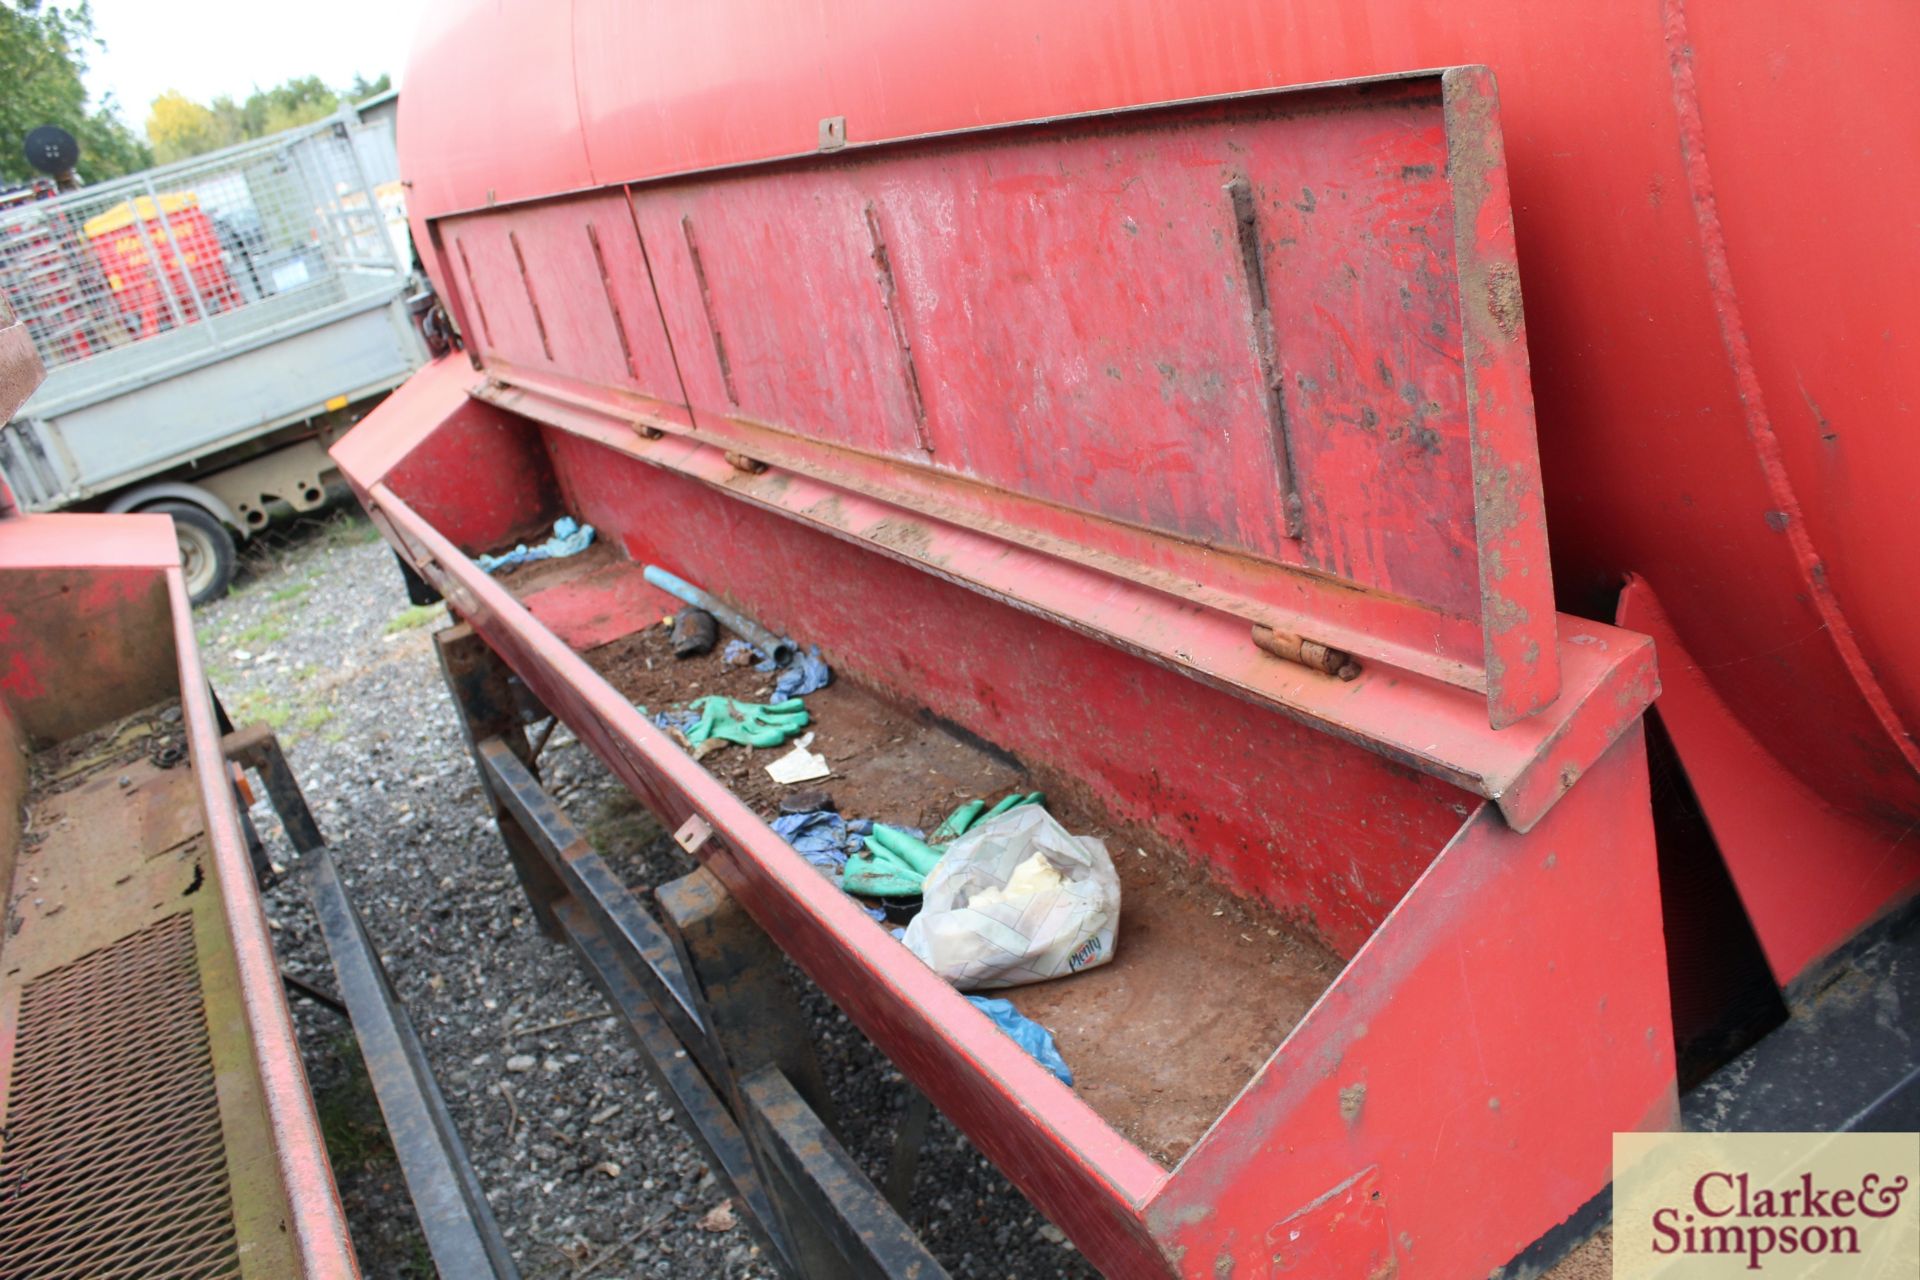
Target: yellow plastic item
column 121, row 215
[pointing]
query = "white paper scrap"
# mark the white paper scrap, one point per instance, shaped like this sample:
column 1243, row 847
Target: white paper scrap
column 799, row 765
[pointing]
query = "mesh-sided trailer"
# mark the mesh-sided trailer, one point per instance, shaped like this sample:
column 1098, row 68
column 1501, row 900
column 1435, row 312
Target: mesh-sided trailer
column 203, row 324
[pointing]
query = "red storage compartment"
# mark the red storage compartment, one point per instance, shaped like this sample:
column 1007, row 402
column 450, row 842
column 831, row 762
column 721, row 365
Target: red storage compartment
column 1034, row 430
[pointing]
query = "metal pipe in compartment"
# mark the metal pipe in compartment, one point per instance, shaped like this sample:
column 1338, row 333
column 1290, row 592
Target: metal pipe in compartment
column 739, row 623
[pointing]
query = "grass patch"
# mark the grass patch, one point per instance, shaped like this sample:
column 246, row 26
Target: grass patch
column 623, row 825
column 418, row 1264
column 349, row 1113
column 316, row 718
column 292, row 591
column 262, row 633
column 352, row 531
column 418, row 616
column 259, row 705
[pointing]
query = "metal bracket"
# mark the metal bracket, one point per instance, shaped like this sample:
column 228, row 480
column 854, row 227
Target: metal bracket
column 693, row 833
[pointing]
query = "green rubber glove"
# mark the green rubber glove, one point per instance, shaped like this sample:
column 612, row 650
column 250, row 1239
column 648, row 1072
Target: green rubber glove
column 974, row 812
column 1013, row 801
column 750, row 724
column 895, row 865
column 892, row 864
column 873, row 878
column 957, row 822
column 905, row 851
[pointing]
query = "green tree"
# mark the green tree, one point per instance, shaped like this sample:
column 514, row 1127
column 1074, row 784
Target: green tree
column 43, row 54
column 179, row 127
column 294, row 103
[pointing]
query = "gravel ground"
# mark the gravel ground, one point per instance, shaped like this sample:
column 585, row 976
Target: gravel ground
column 586, row 1169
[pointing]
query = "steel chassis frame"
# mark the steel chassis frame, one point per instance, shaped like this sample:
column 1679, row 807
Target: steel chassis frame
column 706, row 1001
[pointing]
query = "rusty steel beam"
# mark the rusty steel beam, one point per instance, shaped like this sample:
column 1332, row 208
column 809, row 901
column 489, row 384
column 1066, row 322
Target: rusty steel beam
column 454, row 1215
column 615, row 969
column 592, row 886
column 862, row 1234
column 256, row 747
column 711, row 1008
column 483, row 695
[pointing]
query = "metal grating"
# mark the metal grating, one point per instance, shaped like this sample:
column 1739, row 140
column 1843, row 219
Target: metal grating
column 111, row 1160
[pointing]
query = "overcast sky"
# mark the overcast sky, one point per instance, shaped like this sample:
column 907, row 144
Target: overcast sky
column 205, row 48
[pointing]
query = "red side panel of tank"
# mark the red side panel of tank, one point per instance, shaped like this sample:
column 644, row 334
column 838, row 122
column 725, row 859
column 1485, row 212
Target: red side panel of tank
column 1719, row 373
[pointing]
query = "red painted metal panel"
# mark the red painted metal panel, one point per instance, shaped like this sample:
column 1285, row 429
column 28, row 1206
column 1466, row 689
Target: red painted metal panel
column 1767, row 822
column 1609, row 675
column 95, row 623
column 568, row 293
column 1191, row 763
column 1815, row 219
column 1510, row 522
column 413, row 412
column 84, row 633
column 319, row 1226
column 1474, row 1059
column 599, row 608
column 1721, row 375
column 1357, row 621
column 1256, row 301
column 1079, row 316
column 510, row 72
column 482, row 481
column 62, row 540
column 1721, row 383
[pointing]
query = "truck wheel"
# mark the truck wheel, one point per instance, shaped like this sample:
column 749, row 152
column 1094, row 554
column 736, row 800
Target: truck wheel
column 206, row 549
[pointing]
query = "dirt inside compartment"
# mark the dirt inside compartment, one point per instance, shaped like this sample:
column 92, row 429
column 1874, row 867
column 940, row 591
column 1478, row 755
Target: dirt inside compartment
column 1203, row 985
column 524, row 580
column 89, row 800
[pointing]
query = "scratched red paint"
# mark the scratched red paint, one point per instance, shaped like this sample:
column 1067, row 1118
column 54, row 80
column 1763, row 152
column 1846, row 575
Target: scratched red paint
column 1655, row 404
column 1483, row 942
column 20, row 681
column 1649, row 458
column 1194, row 764
column 1057, row 312
column 1471, row 1091
column 483, row 483
column 940, row 351
column 96, row 622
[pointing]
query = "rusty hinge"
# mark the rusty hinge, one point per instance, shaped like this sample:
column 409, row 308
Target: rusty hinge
column 1308, row 653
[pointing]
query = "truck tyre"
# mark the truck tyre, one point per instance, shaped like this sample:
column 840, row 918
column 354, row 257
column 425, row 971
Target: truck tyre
column 206, row 549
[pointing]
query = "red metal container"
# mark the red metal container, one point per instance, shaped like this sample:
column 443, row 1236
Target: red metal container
column 156, row 1114
column 1032, row 428
column 916, row 332
column 190, row 260
column 1720, row 373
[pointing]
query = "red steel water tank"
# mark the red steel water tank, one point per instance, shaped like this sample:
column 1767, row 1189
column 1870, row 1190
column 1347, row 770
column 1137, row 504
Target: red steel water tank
column 1714, row 204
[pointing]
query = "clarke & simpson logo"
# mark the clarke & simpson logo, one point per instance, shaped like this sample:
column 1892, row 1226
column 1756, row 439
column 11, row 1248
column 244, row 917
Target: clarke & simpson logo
column 1693, row 1206
column 1724, row 1215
